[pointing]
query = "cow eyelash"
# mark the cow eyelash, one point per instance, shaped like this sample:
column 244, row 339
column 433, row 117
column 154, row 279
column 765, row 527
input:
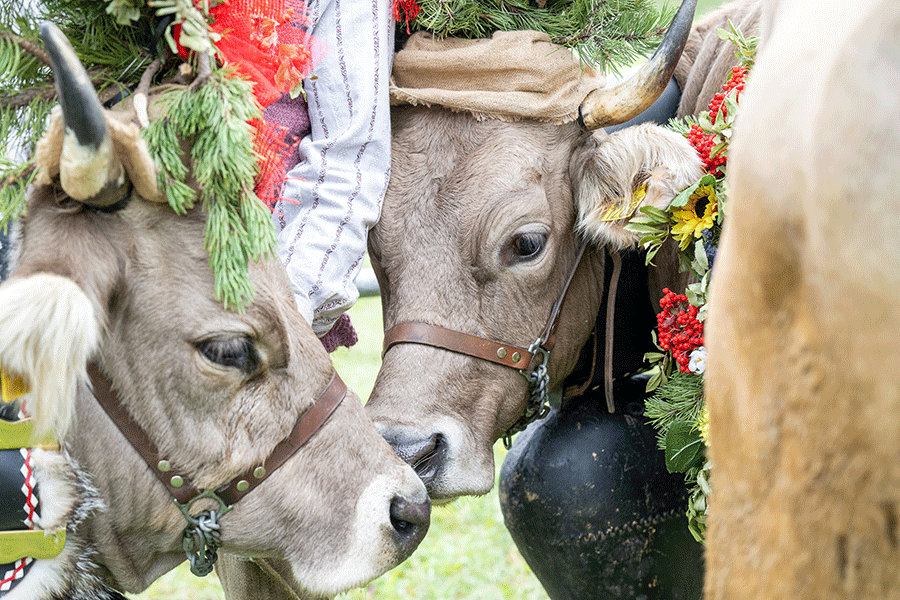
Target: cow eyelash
column 237, row 352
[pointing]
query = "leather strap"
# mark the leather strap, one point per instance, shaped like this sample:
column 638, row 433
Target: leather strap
column 180, row 486
column 137, row 437
column 549, row 333
column 610, row 332
column 472, row 345
column 456, row 341
column 308, row 424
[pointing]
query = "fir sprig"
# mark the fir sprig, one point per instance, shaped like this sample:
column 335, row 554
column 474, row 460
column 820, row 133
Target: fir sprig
column 680, row 400
column 215, row 116
column 115, row 41
column 606, row 34
column 111, row 53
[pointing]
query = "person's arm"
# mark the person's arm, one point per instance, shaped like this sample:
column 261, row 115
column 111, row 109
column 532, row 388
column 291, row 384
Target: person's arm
column 334, row 195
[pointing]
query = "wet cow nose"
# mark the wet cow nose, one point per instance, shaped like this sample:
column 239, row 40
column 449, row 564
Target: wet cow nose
column 410, row 521
column 425, row 456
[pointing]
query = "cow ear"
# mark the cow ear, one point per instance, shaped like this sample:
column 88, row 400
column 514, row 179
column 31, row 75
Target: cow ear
column 614, row 175
column 48, row 331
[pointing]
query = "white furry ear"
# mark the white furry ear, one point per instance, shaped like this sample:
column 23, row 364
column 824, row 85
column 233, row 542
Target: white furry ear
column 48, row 331
column 644, row 165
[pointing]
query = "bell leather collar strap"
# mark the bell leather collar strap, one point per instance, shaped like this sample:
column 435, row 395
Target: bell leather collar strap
column 179, row 486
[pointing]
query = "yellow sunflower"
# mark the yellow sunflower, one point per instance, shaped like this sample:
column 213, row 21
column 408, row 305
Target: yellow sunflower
column 698, row 214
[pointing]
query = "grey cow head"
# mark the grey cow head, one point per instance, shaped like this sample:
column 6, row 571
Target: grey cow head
column 478, row 234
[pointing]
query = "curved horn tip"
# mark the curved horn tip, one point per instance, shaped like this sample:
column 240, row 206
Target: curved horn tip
column 90, row 171
column 82, row 111
column 626, row 100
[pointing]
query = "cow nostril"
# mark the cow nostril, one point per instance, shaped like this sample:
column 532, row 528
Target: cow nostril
column 425, row 455
column 410, row 521
column 427, row 461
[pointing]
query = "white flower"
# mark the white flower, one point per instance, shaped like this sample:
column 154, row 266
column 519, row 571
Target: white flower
column 697, row 363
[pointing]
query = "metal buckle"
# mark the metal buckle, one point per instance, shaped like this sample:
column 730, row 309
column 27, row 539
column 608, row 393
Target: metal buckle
column 538, row 392
column 202, row 537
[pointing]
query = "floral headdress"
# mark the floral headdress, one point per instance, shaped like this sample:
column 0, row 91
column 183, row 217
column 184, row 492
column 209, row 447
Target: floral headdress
column 239, row 57
column 694, row 218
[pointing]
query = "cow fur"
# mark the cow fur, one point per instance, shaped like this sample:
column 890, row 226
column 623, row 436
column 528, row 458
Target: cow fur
column 803, row 393
column 132, row 290
column 458, row 199
column 707, row 59
column 646, row 157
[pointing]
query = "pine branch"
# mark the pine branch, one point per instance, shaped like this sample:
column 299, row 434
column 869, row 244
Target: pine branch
column 28, row 46
column 604, row 33
column 215, row 115
column 679, row 399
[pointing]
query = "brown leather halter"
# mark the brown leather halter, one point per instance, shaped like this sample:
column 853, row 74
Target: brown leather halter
column 180, row 487
column 531, row 362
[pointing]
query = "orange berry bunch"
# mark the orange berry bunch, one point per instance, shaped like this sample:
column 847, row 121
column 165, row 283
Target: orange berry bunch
column 679, row 330
column 704, row 143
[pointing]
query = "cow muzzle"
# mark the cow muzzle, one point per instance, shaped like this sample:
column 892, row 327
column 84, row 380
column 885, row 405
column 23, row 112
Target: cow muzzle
column 446, row 456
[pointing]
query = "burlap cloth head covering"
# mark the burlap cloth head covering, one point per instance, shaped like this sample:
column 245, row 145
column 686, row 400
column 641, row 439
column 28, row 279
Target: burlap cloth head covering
column 510, row 76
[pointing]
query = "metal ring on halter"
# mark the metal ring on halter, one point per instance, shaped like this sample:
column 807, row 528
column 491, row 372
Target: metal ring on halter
column 202, row 538
column 538, row 392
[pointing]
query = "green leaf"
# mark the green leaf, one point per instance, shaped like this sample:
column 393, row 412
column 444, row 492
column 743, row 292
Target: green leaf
column 682, row 197
column 707, row 180
column 641, row 228
column 683, row 447
column 653, row 357
column 653, row 238
column 654, row 214
column 651, row 253
column 701, row 263
column 717, row 149
column 655, row 381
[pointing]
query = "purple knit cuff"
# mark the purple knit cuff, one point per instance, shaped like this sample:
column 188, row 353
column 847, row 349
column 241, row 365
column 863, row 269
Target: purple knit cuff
column 342, row 333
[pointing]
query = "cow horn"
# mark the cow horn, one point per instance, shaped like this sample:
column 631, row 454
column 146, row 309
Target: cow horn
column 90, row 171
column 617, row 104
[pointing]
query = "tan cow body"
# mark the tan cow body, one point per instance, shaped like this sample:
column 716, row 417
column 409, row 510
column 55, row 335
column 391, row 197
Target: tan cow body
column 803, row 391
column 130, row 289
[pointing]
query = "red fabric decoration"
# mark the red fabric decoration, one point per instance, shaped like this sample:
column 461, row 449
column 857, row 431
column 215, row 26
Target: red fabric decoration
column 264, row 41
column 410, row 10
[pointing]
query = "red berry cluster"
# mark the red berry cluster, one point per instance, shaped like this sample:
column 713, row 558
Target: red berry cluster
column 704, row 143
column 679, row 330
column 735, row 83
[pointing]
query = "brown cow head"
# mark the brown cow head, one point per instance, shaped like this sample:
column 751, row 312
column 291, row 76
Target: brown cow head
column 106, row 276
column 478, row 234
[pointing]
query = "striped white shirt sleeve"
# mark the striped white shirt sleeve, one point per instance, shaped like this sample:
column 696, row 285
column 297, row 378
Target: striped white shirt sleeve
column 334, row 195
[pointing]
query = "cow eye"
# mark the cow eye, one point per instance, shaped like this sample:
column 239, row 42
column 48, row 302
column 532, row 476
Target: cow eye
column 237, row 352
column 529, row 245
